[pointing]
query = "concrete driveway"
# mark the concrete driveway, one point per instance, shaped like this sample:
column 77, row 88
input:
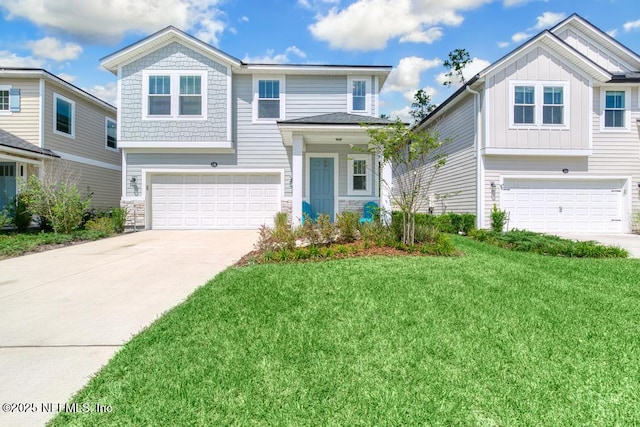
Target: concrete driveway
column 630, row 242
column 64, row 313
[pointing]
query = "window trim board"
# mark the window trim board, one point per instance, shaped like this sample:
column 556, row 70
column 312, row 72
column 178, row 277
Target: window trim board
column 57, row 96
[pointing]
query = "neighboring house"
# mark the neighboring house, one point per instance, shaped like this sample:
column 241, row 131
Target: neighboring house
column 548, row 133
column 49, row 126
column 209, row 141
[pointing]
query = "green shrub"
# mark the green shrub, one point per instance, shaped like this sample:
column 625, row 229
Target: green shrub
column 453, row 223
column 498, row 219
column 61, row 203
column 347, row 224
column 326, row 229
column 118, row 218
column 101, row 225
column 19, row 213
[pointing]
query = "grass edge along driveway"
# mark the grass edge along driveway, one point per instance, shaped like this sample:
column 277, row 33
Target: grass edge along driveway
column 493, row 337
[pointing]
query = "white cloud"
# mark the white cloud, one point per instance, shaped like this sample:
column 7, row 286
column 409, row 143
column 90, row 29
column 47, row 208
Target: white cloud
column 370, row 24
column 12, row 60
column 474, row 67
column 512, row 3
column 406, row 75
column 67, row 77
column 403, row 114
column 244, row 19
column 108, row 92
column 520, row 37
column 272, row 58
column 633, row 25
column 429, row 36
column 613, row 33
column 549, row 19
column 502, row 45
column 110, row 20
column 52, row 48
column 429, row 90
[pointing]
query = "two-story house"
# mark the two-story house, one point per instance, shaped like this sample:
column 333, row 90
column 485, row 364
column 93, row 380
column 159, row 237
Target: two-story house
column 548, row 133
column 49, row 126
column 210, row 141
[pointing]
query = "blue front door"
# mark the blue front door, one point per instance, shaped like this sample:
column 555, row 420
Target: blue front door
column 321, row 193
column 7, row 183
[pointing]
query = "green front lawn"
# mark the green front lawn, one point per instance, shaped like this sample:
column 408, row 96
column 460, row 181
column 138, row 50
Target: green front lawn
column 16, row 244
column 491, row 338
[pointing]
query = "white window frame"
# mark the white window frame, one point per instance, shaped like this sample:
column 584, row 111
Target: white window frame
column 538, row 117
column 57, row 96
column 367, row 101
column 8, row 111
column 174, row 78
column 255, row 101
column 106, row 134
column 627, row 108
column 369, row 171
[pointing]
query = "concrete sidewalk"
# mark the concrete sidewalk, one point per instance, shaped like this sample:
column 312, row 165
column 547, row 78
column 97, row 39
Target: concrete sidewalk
column 67, row 311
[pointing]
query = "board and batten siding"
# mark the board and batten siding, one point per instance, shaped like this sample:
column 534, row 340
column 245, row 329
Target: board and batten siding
column 457, row 178
column 174, row 57
column 24, row 124
column 592, row 50
column 538, row 65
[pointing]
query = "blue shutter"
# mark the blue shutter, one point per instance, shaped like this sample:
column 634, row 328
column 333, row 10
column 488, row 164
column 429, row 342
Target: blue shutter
column 14, row 100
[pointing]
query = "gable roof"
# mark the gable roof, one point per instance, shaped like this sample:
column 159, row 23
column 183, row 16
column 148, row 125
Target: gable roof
column 8, row 139
column 551, row 41
column 172, row 34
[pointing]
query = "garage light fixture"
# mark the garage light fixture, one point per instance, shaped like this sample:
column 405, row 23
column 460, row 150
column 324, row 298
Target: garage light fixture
column 565, row 170
column 214, row 164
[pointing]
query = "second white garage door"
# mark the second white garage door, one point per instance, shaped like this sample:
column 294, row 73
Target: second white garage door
column 566, row 205
column 214, row 201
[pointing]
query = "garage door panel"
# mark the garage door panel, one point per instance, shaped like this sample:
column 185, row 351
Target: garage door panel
column 564, row 205
column 214, row 201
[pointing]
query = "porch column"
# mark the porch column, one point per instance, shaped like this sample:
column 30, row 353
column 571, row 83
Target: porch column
column 385, row 192
column 297, row 180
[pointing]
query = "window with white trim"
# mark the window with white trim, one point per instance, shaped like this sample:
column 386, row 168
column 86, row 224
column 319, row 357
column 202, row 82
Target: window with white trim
column 174, row 95
column 358, row 94
column 4, row 98
column 268, row 98
column 614, row 109
column 64, row 111
column 536, row 104
column 359, row 174
column 111, row 134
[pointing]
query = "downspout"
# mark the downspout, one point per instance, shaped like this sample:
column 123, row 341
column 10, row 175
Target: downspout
column 479, row 165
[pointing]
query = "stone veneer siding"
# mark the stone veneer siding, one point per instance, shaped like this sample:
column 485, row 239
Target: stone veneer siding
column 356, row 206
column 135, row 214
column 174, row 57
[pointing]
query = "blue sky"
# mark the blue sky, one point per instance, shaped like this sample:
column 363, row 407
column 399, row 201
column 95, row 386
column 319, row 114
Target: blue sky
column 68, row 37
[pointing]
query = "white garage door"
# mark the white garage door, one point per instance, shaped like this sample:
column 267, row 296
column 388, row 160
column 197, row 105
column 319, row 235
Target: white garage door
column 214, row 201
column 564, row 205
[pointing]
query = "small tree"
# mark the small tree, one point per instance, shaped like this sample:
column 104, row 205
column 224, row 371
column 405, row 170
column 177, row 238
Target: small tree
column 458, row 59
column 422, row 106
column 416, row 160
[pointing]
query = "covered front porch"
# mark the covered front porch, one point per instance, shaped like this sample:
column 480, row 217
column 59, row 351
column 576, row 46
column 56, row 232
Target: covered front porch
column 19, row 159
column 331, row 167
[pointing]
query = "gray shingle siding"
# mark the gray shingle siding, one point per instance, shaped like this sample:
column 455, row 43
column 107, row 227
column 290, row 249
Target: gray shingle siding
column 174, row 57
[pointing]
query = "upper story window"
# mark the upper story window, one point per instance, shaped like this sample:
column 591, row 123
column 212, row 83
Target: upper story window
column 9, row 99
column 269, row 98
column 64, row 111
column 614, row 108
column 538, row 104
column 359, row 174
column 174, row 95
column 358, row 94
column 111, row 135
column 524, row 106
